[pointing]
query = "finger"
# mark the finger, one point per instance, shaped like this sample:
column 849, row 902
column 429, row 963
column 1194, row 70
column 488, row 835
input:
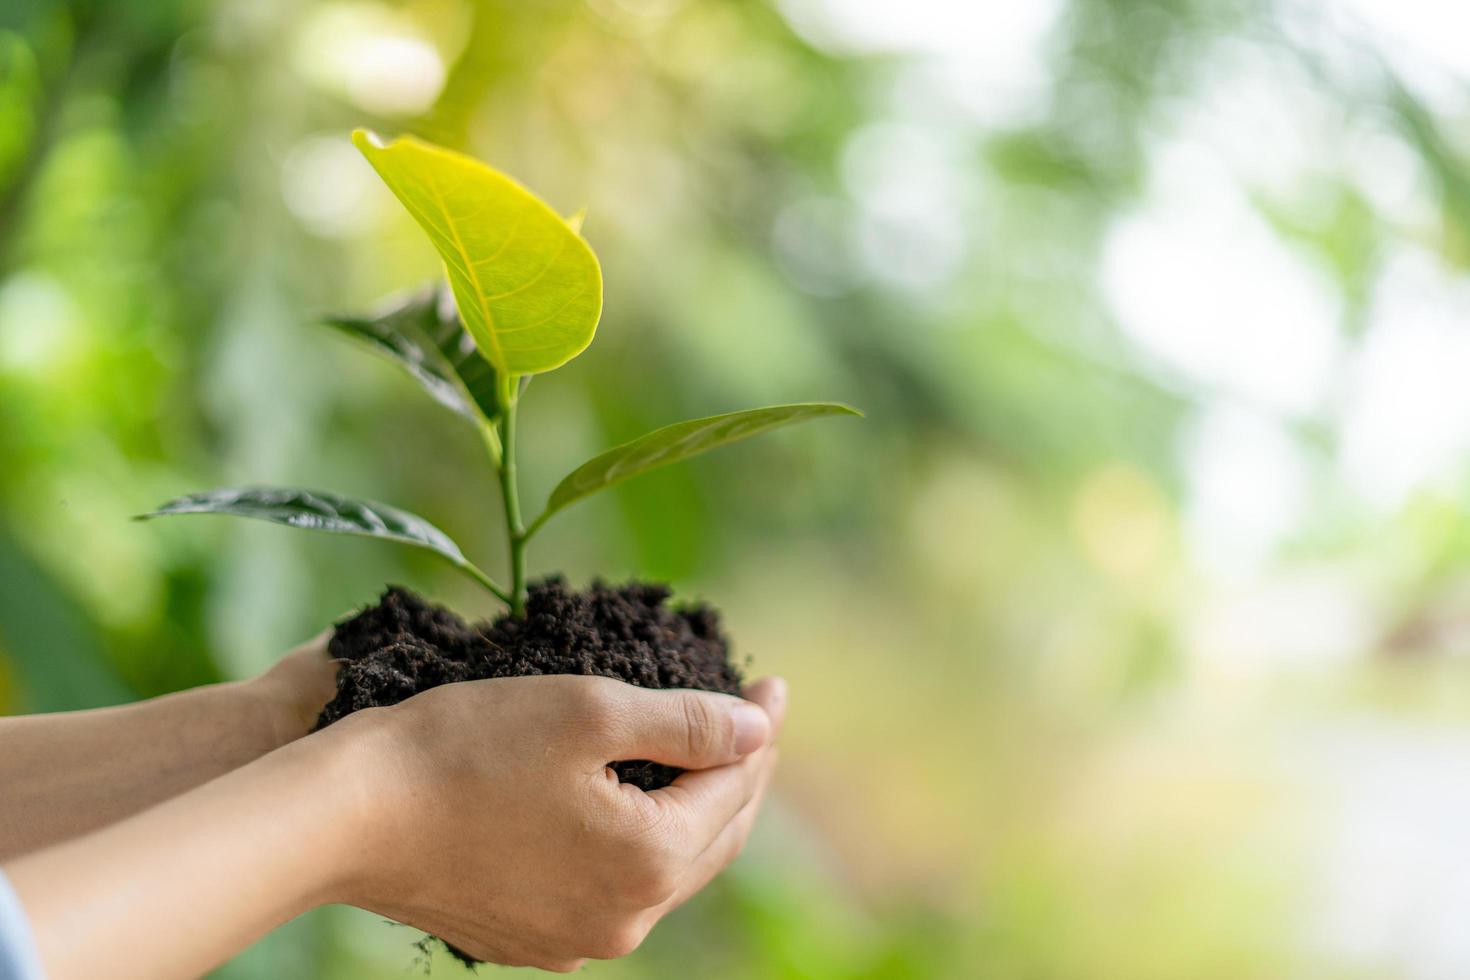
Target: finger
column 312, row 660
column 316, row 645
column 770, row 693
column 727, row 845
column 687, row 729
column 704, row 801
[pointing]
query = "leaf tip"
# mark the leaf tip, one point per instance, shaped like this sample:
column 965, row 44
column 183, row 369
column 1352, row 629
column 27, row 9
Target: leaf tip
column 366, row 139
column 575, row 221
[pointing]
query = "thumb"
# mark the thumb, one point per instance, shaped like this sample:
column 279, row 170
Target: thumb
column 687, row 729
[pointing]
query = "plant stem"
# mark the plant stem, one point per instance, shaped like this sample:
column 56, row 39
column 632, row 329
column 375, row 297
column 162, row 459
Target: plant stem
column 490, row 434
column 487, row 582
column 515, row 531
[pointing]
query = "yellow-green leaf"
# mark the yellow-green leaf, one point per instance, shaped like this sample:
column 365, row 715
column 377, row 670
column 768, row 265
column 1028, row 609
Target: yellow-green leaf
column 675, row 442
column 528, row 287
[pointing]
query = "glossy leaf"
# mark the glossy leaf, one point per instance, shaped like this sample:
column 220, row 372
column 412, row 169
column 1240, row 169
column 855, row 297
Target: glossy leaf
column 528, row 287
column 319, row 511
column 424, row 336
column 677, row 442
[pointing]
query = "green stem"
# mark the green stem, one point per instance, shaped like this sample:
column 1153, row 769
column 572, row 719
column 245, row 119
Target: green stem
column 515, row 531
column 490, row 434
column 486, row 581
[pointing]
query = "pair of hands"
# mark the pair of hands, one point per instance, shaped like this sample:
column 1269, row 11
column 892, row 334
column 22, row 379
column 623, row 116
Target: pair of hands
column 486, row 814
column 482, row 812
column 493, row 822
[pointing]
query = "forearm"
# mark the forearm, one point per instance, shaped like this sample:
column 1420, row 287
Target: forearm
column 69, row 773
column 175, row 890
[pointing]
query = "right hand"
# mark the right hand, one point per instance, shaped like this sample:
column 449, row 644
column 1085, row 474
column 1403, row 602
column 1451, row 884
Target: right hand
column 493, row 822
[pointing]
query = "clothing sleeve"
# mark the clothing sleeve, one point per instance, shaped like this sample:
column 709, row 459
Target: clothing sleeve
column 19, row 959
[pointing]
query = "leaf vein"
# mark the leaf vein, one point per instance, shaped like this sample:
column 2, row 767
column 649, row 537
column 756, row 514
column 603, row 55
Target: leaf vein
column 540, row 274
column 474, row 279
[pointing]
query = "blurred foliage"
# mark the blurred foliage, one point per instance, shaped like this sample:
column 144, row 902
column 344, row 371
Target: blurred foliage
column 1007, row 757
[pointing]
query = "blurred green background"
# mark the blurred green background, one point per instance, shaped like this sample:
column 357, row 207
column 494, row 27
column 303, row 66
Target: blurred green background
column 1129, row 636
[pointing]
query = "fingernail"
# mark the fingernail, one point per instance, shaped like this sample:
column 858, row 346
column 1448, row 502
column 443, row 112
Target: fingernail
column 752, row 727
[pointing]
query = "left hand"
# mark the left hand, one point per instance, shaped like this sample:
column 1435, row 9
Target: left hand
column 296, row 688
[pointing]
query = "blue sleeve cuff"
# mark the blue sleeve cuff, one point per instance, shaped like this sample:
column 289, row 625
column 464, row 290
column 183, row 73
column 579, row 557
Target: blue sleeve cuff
column 19, row 959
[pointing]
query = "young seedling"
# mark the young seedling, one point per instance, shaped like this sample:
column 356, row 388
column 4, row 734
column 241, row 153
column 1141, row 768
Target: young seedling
column 524, row 298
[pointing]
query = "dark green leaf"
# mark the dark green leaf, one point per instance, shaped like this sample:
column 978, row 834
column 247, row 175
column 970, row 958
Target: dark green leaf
column 424, row 336
column 319, row 511
column 676, row 442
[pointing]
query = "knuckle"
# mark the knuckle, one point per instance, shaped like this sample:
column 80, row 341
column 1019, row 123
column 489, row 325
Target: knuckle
column 653, row 882
column 661, row 888
column 657, row 887
column 631, row 839
column 592, row 705
column 617, row 940
column 703, row 728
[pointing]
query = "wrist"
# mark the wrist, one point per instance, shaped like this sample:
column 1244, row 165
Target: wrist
column 355, row 767
column 291, row 695
column 271, row 710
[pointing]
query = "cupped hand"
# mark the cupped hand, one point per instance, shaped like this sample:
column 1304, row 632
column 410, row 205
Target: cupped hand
column 295, row 688
column 493, row 822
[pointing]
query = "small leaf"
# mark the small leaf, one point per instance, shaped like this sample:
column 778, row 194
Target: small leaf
column 575, row 221
column 319, row 511
column 676, row 442
column 423, row 335
column 448, row 334
column 528, row 287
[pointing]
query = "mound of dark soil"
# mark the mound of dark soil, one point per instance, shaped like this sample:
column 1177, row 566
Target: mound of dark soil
column 404, row 645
